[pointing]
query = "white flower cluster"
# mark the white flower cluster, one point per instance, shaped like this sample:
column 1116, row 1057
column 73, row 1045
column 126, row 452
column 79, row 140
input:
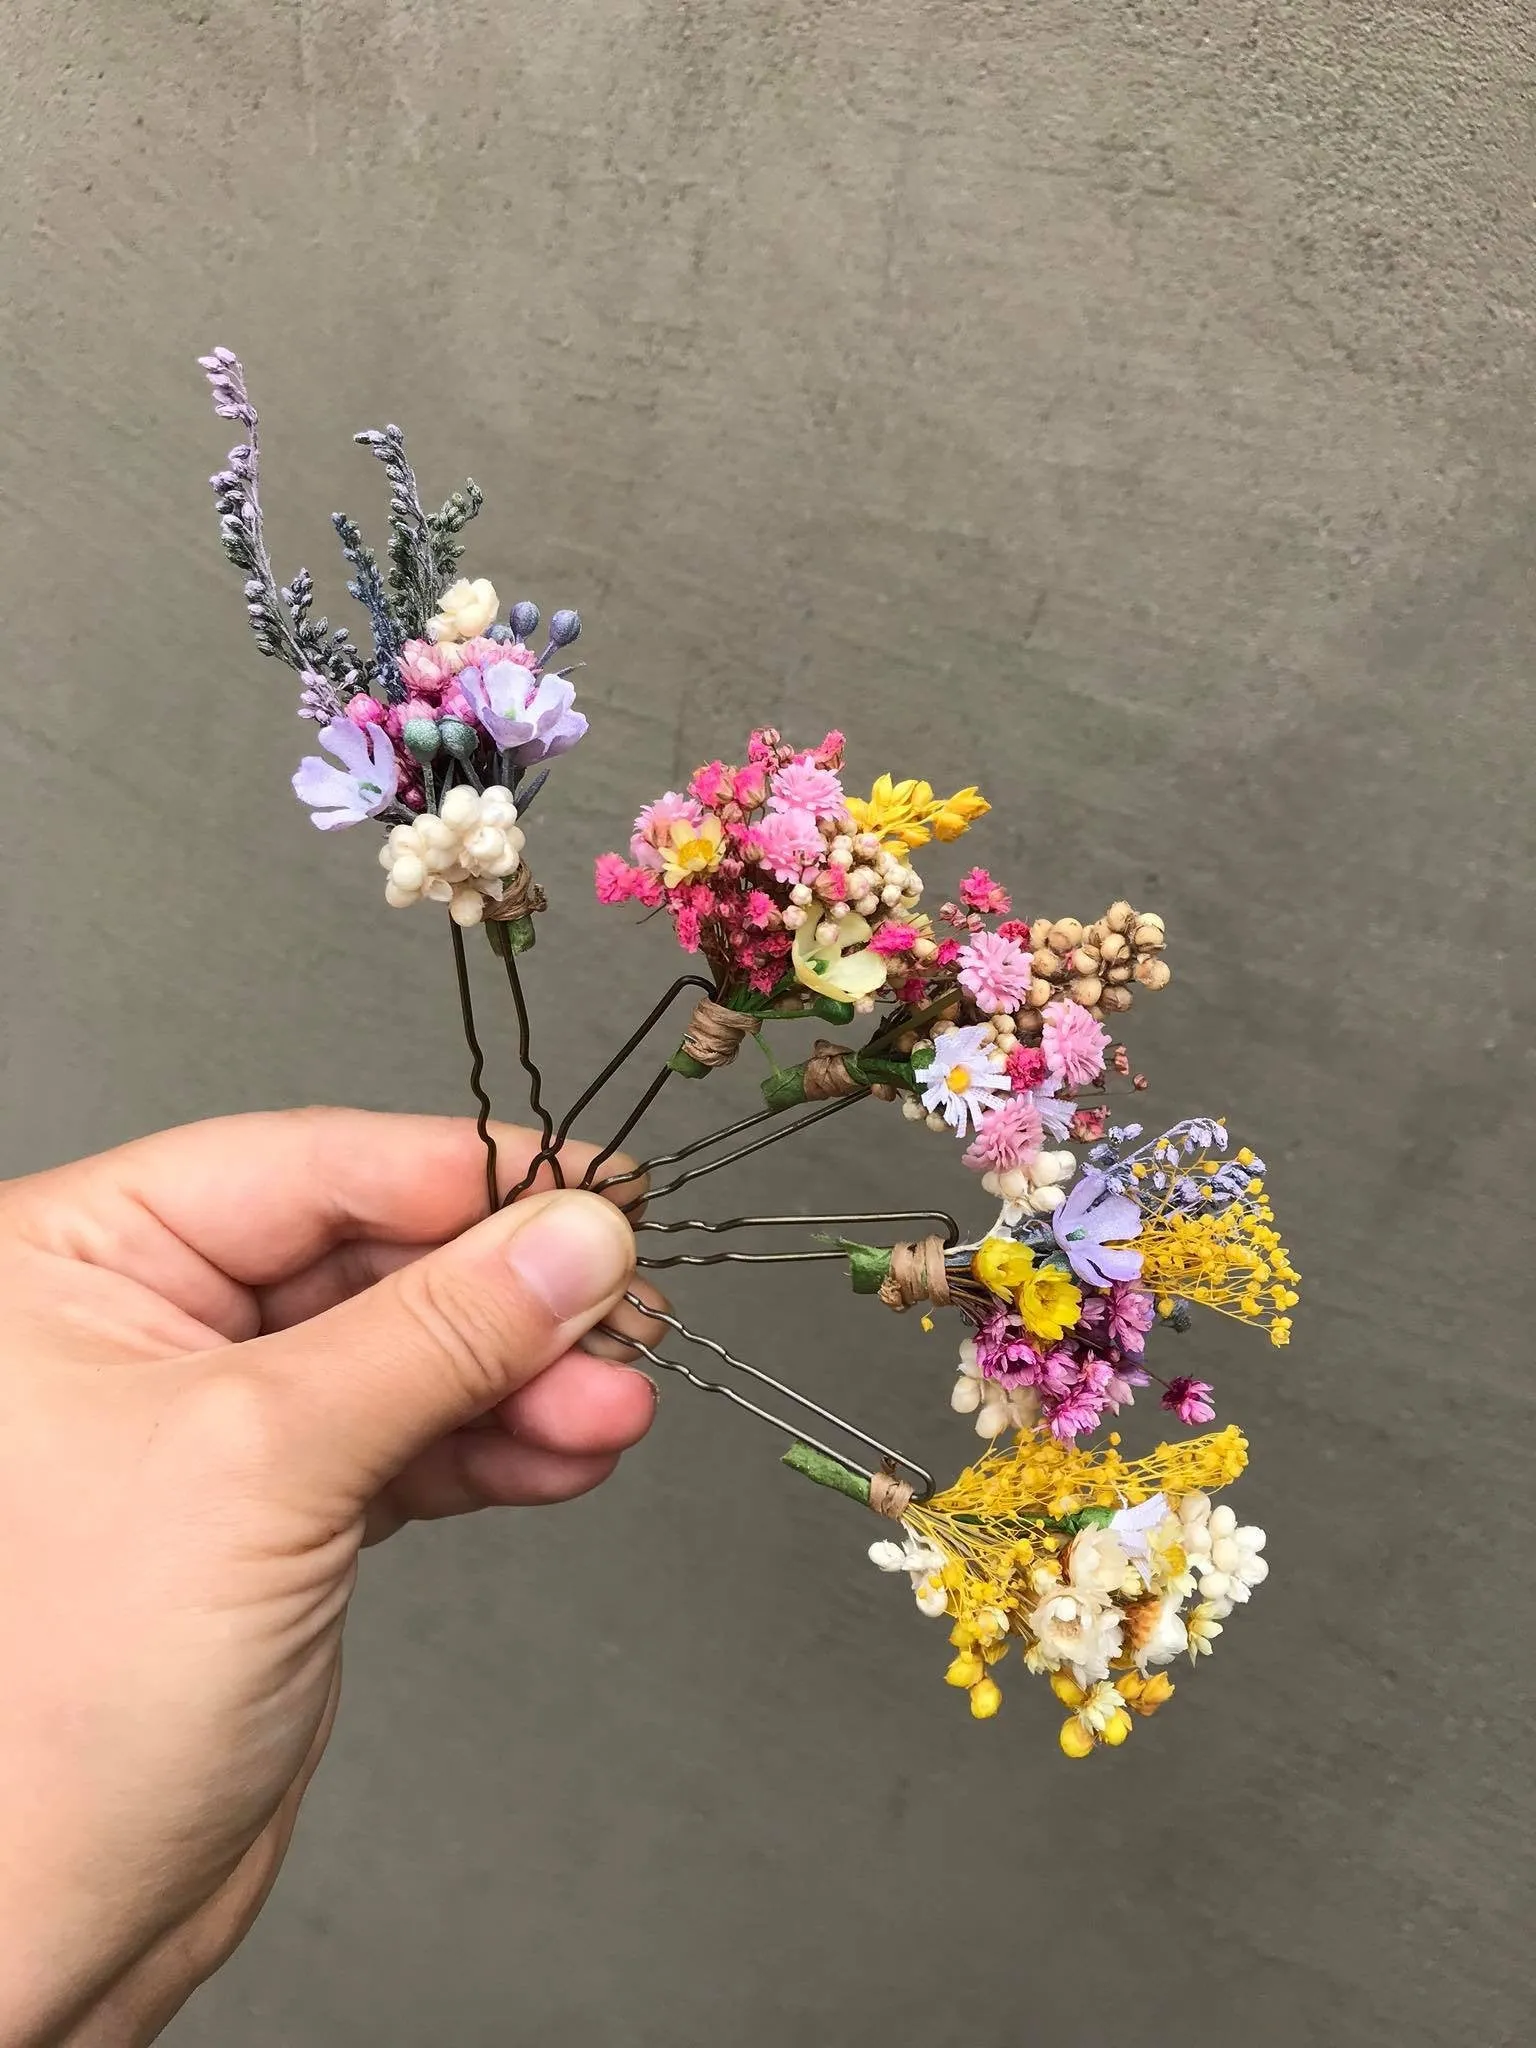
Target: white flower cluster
column 461, row 855
column 1035, row 1189
column 1226, row 1559
column 921, row 1562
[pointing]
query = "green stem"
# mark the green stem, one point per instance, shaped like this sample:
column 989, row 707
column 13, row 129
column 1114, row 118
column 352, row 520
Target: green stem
column 786, row 1088
column 827, row 1471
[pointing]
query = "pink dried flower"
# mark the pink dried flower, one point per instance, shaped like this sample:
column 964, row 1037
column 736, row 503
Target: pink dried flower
column 1027, row 1067
column 911, row 992
column 1015, row 928
column 1089, row 1125
column 830, row 753
column 1073, row 1044
column 426, row 667
column 749, row 788
column 686, row 918
column 1007, row 1137
column 801, row 786
column 486, row 653
column 712, row 785
column 894, row 938
column 364, row 710
column 614, row 877
column 996, row 975
column 1189, row 1400
column 761, row 908
column 978, row 891
column 765, row 747
column 788, row 844
column 947, row 954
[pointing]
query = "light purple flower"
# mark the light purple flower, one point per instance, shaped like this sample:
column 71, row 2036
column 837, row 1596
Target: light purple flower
column 360, row 788
column 1090, row 1227
column 530, row 717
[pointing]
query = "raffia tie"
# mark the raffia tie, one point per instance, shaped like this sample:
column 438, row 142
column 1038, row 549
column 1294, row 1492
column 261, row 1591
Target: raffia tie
column 890, row 1496
column 714, row 1035
column 918, row 1273
column 826, row 1075
column 521, row 896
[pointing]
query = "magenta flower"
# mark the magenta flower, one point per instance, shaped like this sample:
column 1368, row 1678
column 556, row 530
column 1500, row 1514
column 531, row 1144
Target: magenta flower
column 761, row 908
column 802, row 786
column 361, row 787
column 1027, row 1067
column 1004, row 1353
column 711, row 785
column 1073, row 1044
column 789, row 845
column 1189, row 1400
column 612, row 874
column 978, row 891
column 894, row 938
column 1120, row 1319
column 1091, row 1226
column 995, row 973
column 686, row 919
column 1007, row 1137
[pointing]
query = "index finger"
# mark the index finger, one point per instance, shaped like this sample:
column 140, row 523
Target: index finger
column 262, row 1196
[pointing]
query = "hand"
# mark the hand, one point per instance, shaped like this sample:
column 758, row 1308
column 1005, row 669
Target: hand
column 232, row 1356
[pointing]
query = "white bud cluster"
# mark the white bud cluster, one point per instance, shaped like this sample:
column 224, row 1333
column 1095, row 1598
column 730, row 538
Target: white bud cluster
column 461, row 855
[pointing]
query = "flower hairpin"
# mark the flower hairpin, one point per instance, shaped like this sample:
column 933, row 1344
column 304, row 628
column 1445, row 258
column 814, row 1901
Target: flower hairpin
column 797, row 899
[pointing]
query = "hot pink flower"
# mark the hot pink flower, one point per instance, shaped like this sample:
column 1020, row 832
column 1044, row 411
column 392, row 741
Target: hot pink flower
column 912, row 992
column 1015, row 928
column 804, row 787
column 1006, row 1137
column 789, row 844
column 761, row 908
column 947, row 954
column 1189, row 1400
column 364, row 710
column 654, row 824
column 614, row 876
column 980, row 892
column 646, row 887
column 893, row 938
column 996, row 974
column 1073, row 1044
column 749, row 787
column 830, row 753
column 711, row 785
column 686, row 918
column 1027, row 1067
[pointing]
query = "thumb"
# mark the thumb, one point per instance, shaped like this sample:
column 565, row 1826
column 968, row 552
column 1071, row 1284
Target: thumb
column 361, row 1389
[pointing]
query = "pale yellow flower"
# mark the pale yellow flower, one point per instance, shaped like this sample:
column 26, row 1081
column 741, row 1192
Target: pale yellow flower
column 692, row 850
column 842, row 968
column 464, row 610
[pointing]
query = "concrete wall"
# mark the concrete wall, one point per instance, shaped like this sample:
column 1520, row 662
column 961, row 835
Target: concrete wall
column 1131, row 404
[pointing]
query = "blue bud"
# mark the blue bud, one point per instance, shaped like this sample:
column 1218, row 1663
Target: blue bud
column 460, row 739
column 525, row 619
column 422, row 738
column 564, row 627
column 501, row 634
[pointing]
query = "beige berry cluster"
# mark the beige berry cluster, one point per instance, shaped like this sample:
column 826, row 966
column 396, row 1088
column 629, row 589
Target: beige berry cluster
column 1095, row 964
column 871, row 878
column 461, row 855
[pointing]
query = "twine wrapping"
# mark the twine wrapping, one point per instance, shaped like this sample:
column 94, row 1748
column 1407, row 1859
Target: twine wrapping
column 715, row 1034
column 826, row 1075
column 890, row 1496
column 918, row 1273
column 521, row 896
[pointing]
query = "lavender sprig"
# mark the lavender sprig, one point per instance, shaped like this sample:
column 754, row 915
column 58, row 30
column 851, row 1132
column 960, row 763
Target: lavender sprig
column 330, row 666
column 413, row 580
column 367, row 586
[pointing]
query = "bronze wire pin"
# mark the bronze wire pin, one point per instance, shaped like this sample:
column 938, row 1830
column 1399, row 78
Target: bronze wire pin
column 889, row 1458
column 670, row 1228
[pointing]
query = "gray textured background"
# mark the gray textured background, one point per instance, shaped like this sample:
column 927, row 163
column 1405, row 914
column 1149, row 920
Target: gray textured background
column 1132, row 404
